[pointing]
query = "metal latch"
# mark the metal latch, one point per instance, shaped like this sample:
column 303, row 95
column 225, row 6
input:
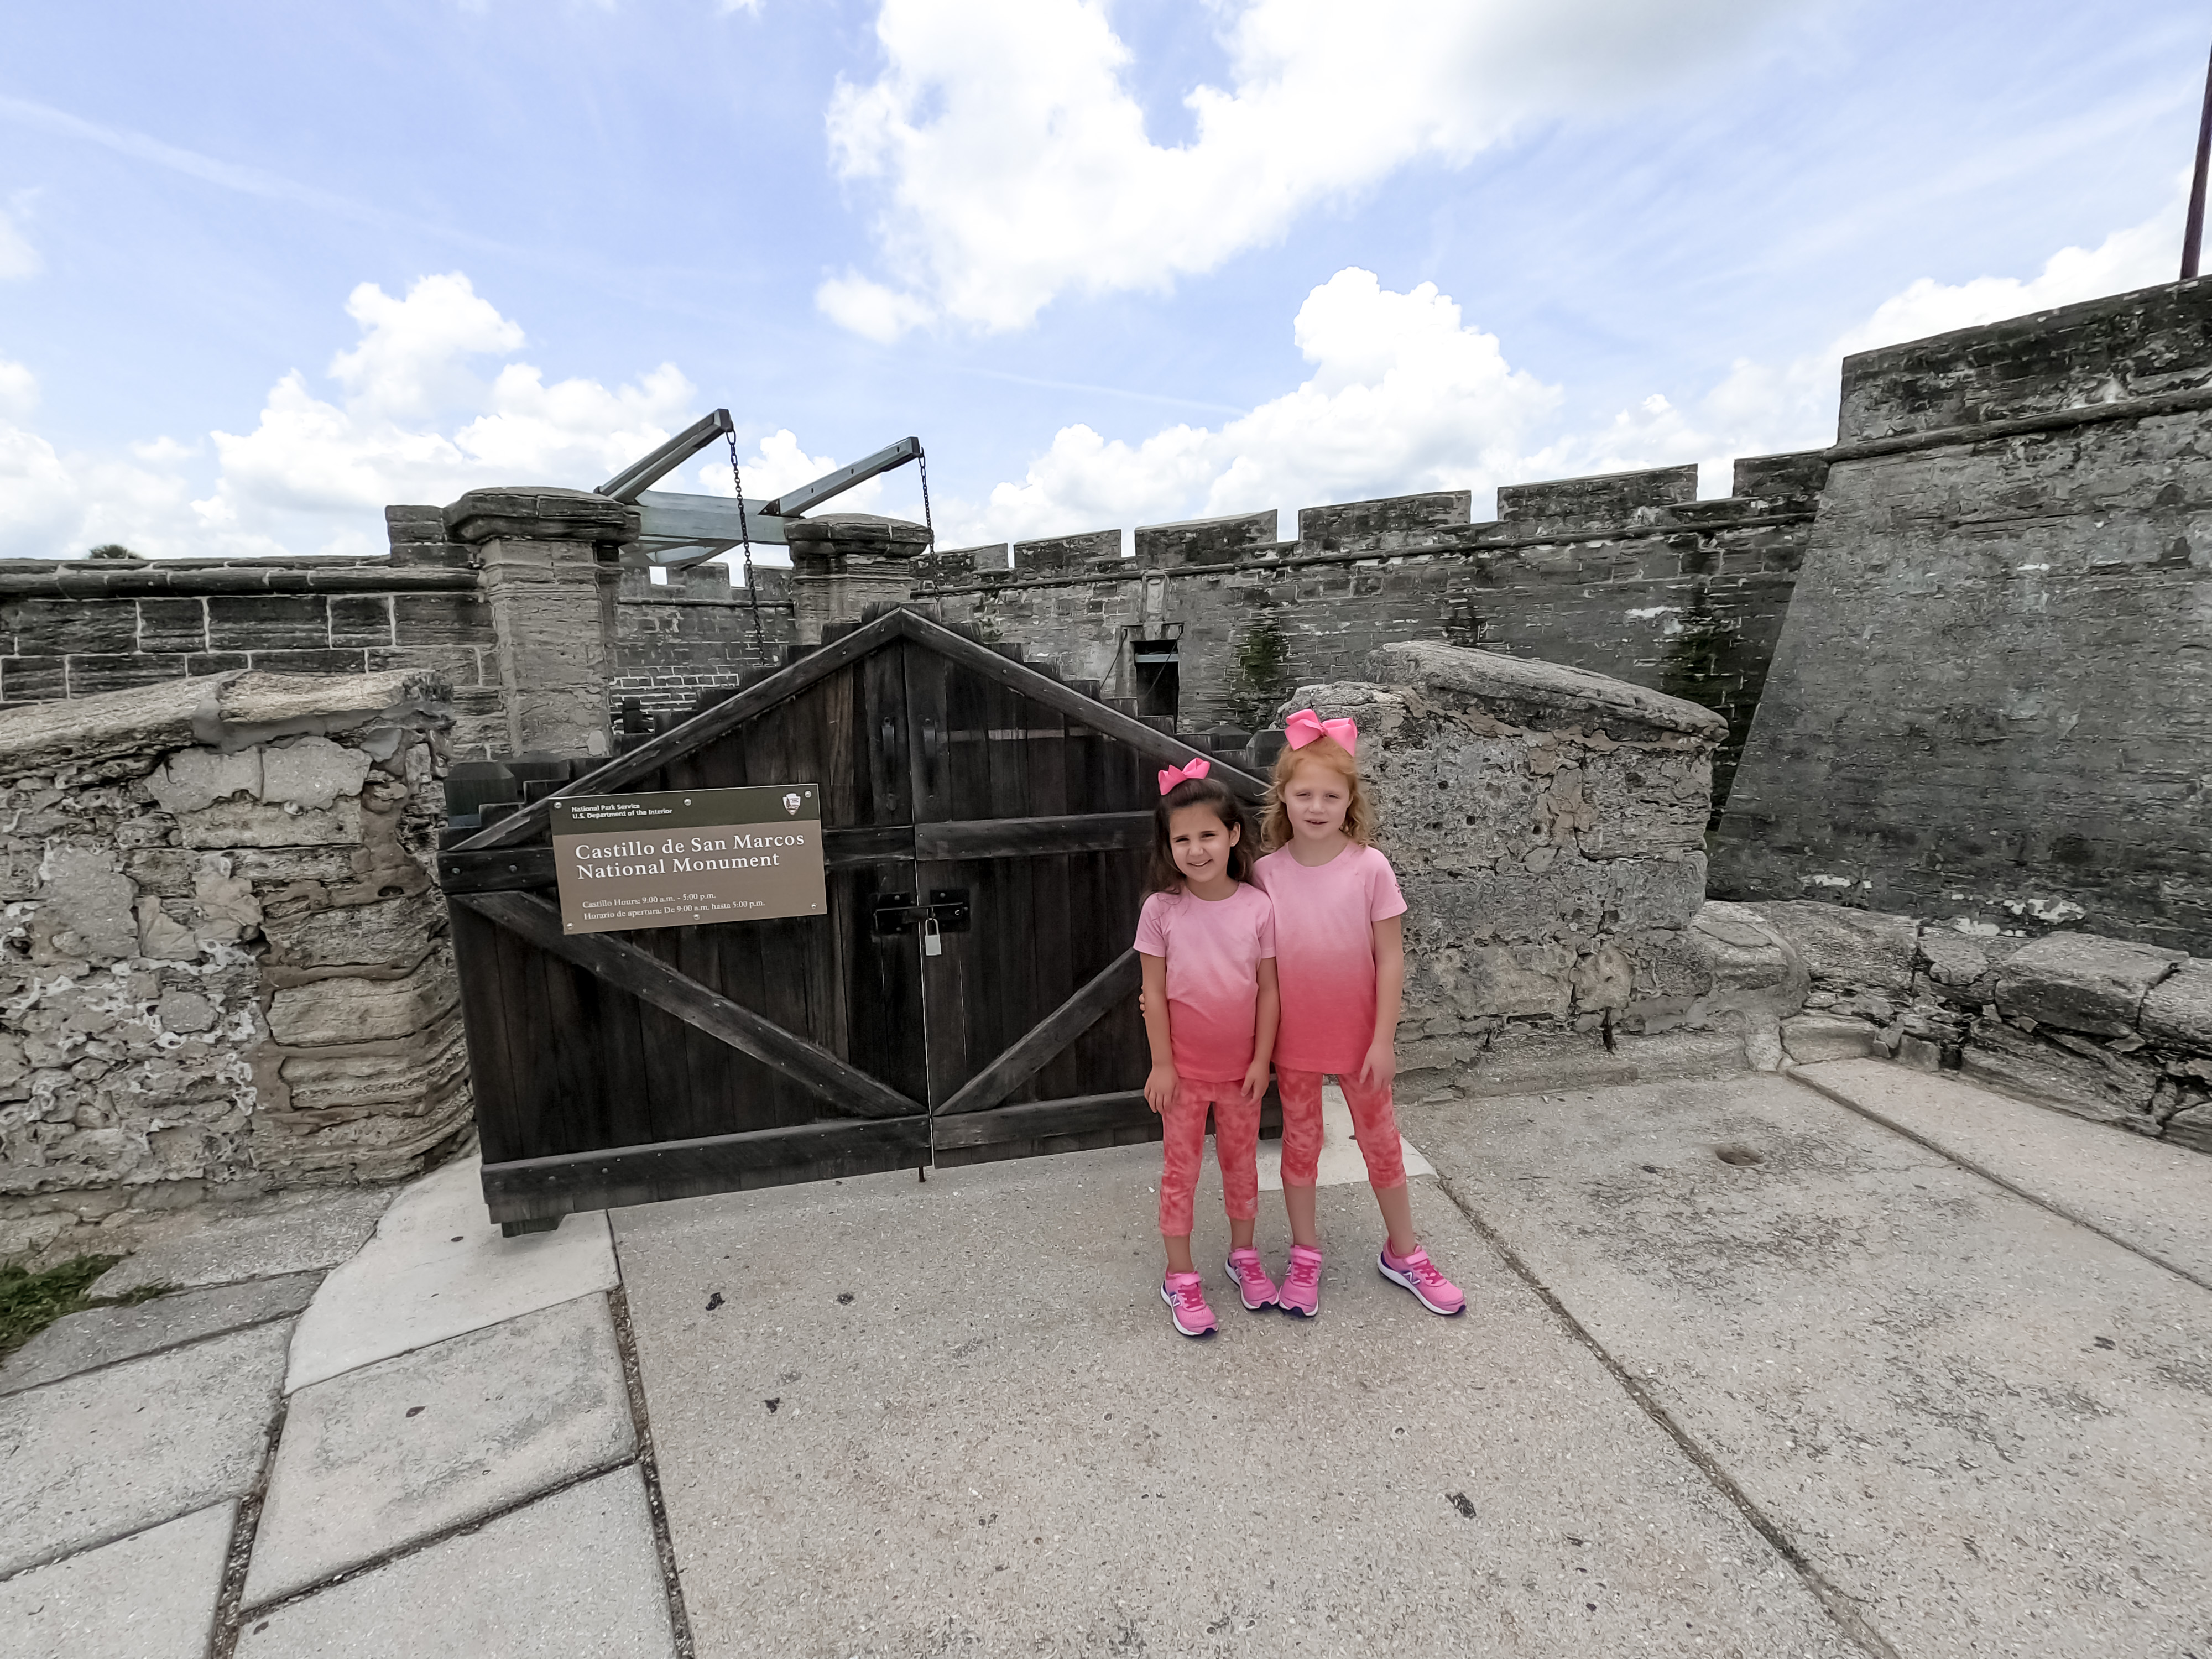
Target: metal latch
column 946, row 912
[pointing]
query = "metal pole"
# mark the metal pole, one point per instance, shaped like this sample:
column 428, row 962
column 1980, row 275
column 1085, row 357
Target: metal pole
column 2193, row 239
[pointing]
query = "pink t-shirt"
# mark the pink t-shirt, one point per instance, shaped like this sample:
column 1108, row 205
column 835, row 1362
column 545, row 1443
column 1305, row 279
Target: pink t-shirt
column 1213, row 951
column 1325, row 918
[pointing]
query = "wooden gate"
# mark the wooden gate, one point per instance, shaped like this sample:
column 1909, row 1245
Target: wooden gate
column 957, row 785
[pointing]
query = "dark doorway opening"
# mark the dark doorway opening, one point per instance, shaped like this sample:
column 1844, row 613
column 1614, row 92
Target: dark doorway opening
column 1155, row 667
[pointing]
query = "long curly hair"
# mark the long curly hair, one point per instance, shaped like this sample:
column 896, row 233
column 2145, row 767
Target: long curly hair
column 1163, row 876
column 1359, row 814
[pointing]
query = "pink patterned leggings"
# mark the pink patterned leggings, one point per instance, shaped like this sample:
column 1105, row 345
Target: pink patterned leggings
column 1235, row 1148
column 1372, row 1120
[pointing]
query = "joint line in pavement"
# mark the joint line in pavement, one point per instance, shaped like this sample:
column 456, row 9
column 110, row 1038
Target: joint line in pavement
column 1838, row 1606
column 1992, row 1177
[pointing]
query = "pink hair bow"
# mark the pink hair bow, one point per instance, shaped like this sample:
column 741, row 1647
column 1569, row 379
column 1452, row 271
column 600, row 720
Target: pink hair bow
column 1304, row 726
column 1172, row 775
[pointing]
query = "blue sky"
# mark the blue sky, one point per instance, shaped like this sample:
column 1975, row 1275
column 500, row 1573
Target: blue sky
column 266, row 267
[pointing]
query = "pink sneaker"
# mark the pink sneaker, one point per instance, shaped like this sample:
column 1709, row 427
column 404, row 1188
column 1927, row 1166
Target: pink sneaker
column 1246, row 1273
column 1186, row 1301
column 1301, row 1292
column 1419, row 1274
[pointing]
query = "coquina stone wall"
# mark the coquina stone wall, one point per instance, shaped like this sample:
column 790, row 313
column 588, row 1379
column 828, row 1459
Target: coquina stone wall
column 224, row 968
column 1992, row 699
column 2113, row 1029
column 1628, row 575
column 1548, row 827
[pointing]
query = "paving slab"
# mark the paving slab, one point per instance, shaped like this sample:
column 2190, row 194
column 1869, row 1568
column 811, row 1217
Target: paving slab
column 1339, row 1163
column 104, row 1336
column 1982, row 1422
column 575, row 1573
column 437, row 1268
column 95, row 1457
column 299, row 1233
column 2154, row 1196
column 149, row 1596
column 383, row 1456
column 896, row 1418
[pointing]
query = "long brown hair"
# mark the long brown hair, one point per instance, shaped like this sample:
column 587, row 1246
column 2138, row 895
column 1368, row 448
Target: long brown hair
column 1163, row 876
column 1358, row 814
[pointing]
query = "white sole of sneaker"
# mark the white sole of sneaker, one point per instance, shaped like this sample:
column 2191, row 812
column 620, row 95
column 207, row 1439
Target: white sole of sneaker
column 1236, row 1280
column 1175, row 1314
column 1405, row 1281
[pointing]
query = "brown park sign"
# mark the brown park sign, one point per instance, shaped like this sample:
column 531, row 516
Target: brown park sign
column 679, row 857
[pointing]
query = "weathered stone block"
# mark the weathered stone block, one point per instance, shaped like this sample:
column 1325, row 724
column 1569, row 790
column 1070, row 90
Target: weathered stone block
column 2191, row 1126
column 89, row 676
column 311, row 772
column 86, row 905
column 268, row 622
column 193, row 778
column 349, row 1009
column 2108, row 1087
column 361, row 619
column 172, row 625
column 420, row 1078
column 1811, row 1038
column 1848, row 948
column 1962, row 967
column 392, row 932
column 2079, row 982
column 43, row 626
column 2178, row 1009
column 1749, row 966
column 252, row 824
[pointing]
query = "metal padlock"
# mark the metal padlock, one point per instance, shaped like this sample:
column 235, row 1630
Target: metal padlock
column 932, row 942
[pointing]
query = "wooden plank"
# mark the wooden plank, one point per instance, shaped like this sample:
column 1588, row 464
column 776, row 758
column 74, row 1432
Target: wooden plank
column 650, row 980
column 1036, row 1119
column 622, row 771
column 538, row 1188
column 1156, row 746
column 1116, row 984
column 1014, row 838
column 485, row 995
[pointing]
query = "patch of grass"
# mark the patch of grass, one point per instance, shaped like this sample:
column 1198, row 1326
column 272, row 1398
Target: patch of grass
column 30, row 1302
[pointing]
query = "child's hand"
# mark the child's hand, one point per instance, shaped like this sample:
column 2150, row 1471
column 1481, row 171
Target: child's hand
column 1381, row 1064
column 1255, row 1079
column 1160, row 1089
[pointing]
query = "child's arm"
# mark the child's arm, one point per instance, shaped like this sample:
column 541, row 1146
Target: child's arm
column 1270, row 1014
column 1389, row 998
column 1160, row 1086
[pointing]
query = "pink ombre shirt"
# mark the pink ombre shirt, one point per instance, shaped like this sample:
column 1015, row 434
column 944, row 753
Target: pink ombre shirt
column 1213, row 952
column 1325, row 918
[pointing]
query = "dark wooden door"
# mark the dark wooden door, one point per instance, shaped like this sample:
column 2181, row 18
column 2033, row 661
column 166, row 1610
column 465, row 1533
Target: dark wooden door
column 969, row 994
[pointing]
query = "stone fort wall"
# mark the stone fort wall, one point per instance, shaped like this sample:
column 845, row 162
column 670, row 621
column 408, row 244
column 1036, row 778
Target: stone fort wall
column 1992, row 697
column 1627, row 574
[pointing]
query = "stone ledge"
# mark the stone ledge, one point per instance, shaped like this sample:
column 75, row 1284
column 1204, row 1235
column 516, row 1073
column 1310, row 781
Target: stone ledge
column 1537, row 694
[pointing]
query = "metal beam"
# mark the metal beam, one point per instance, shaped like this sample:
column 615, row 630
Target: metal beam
column 664, row 516
column 631, row 481
column 792, row 502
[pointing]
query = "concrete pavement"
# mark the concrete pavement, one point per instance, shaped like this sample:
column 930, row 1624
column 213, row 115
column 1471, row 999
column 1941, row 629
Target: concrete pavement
column 1868, row 1363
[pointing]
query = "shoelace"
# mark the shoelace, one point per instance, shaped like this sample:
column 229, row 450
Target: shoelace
column 1304, row 1272
column 1189, row 1297
column 1419, row 1267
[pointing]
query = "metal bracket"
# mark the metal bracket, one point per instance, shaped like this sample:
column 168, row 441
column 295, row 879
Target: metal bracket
column 897, row 913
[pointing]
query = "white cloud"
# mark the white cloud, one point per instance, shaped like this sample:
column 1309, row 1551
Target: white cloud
column 1405, row 396
column 870, row 309
column 1014, row 164
column 412, row 357
column 412, row 421
column 19, row 390
column 1766, row 408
